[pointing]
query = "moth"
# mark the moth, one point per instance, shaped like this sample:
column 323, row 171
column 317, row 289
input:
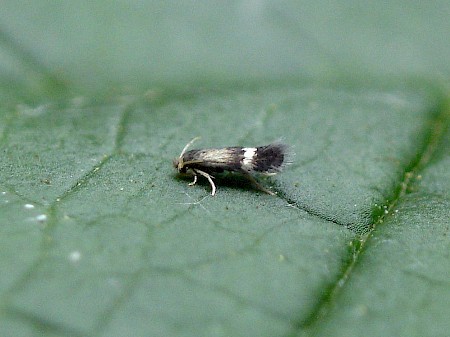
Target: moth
column 248, row 161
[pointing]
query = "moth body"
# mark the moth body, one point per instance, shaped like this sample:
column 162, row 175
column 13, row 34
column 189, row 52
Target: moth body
column 267, row 160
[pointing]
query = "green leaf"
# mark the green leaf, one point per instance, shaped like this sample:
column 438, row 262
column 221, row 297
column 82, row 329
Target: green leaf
column 100, row 237
column 400, row 285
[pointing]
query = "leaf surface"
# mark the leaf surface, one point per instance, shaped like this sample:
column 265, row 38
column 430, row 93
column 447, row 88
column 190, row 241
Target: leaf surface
column 100, row 237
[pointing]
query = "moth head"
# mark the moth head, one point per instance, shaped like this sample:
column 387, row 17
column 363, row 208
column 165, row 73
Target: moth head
column 178, row 163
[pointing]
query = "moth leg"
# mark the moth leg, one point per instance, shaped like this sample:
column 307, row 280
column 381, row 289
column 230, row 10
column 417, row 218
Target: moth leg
column 209, row 177
column 258, row 185
column 195, row 180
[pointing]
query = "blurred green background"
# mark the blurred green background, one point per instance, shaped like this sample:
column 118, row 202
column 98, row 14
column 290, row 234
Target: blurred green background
column 96, row 45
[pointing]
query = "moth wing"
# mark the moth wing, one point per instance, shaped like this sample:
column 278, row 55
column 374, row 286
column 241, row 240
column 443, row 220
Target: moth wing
column 218, row 156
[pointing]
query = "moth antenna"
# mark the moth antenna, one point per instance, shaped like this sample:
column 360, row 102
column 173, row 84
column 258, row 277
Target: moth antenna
column 189, row 144
column 180, row 163
column 192, row 162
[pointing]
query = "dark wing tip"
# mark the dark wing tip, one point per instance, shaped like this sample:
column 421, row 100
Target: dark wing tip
column 272, row 158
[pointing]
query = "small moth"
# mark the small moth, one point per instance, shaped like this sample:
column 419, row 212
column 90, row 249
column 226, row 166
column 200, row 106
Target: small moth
column 265, row 160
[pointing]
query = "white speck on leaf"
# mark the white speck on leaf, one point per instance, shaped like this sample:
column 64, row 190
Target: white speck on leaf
column 41, row 217
column 75, row 256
